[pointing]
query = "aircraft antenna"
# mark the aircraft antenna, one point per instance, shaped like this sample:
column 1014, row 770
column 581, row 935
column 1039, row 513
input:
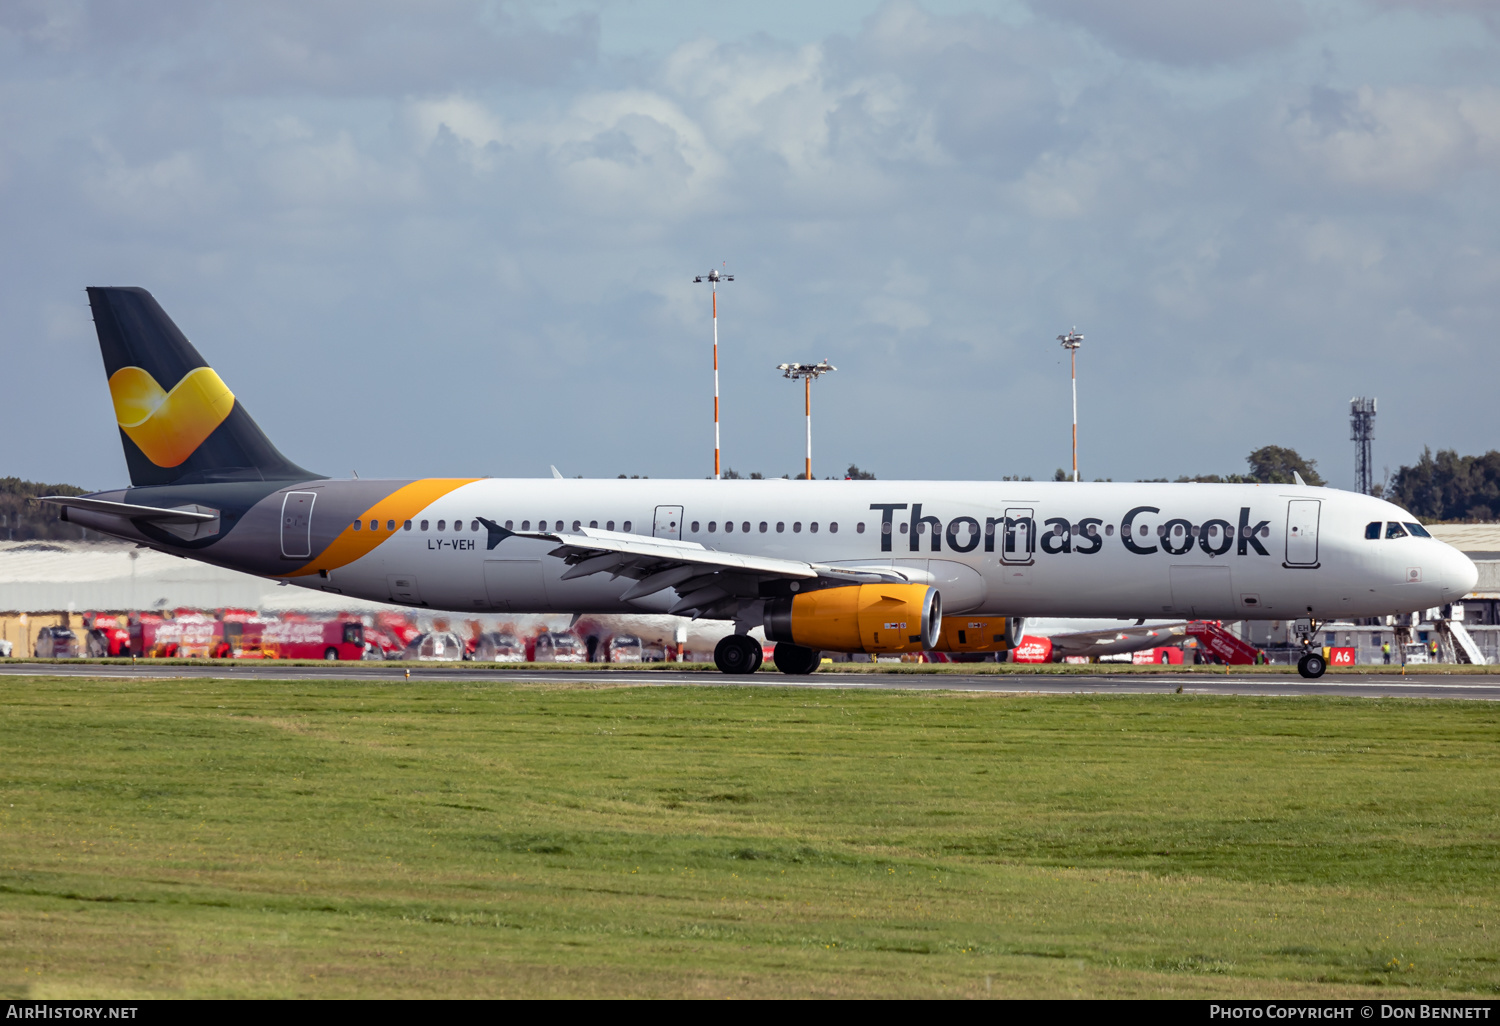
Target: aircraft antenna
column 807, row 372
column 1071, row 341
column 1362, row 433
column 713, row 277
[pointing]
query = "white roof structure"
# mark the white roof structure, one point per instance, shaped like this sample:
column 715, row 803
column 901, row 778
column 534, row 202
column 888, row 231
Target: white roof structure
column 1479, row 541
column 53, row 576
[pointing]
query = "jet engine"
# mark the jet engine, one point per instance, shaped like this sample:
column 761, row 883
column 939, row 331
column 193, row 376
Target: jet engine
column 970, row 633
column 858, row 618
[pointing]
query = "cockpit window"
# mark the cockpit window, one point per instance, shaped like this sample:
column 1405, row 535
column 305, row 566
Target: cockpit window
column 1394, row 530
column 1418, row 530
column 1372, row 530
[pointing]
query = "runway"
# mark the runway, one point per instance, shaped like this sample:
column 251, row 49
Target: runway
column 1475, row 687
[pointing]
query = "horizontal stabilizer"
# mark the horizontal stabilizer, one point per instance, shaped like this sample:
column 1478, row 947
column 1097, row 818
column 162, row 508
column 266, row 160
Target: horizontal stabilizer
column 155, row 514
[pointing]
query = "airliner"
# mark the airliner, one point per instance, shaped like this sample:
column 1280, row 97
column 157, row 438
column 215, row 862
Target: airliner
column 821, row 566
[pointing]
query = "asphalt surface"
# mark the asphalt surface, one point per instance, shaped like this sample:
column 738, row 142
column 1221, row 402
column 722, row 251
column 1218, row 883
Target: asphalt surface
column 1475, row 687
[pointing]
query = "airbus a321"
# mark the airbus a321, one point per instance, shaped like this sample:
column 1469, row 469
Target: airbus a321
column 822, row 566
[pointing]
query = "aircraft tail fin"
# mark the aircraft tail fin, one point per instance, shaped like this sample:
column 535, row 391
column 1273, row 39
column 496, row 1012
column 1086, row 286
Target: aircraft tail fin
column 179, row 422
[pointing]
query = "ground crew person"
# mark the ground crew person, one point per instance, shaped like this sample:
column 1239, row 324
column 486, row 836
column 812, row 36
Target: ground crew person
column 1386, row 651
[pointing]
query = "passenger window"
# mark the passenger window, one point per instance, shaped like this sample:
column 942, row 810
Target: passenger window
column 359, row 525
column 745, row 527
column 406, row 526
column 390, row 525
column 780, row 526
column 1394, row 530
column 525, row 525
column 1265, row 532
column 694, row 527
column 729, row 527
column 713, row 525
column 593, row 525
column 559, row 526
column 577, row 524
column 796, row 527
column 627, row 527
column 374, row 525
column 813, row 527
column 1109, row 530
column 833, row 528
column 442, row 524
column 763, row 527
column 424, row 525
column 1372, row 530
column 474, row 525
column 510, row 525
column 859, row 528
column 609, row 525
column 1417, row 529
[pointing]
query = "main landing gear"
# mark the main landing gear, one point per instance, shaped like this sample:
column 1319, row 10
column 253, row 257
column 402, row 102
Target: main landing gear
column 737, row 653
column 797, row 660
column 740, row 654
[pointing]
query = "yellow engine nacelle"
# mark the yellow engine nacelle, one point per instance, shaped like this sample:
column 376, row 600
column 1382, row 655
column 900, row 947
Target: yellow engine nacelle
column 859, row 618
column 970, row 633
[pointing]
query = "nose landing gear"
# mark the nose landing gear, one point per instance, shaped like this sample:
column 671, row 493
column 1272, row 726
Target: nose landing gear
column 1312, row 664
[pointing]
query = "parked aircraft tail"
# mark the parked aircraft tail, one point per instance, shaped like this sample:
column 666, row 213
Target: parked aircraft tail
column 179, row 422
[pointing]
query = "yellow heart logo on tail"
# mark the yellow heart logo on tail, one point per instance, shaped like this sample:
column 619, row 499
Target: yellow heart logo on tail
column 169, row 426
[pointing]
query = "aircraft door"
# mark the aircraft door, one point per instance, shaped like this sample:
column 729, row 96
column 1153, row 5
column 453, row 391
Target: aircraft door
column 668, row 523
column 1302, row 532
column 1019, row 543
column 296, row 524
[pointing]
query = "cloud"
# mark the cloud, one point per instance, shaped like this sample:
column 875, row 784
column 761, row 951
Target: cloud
column 403, row 212
column 1399, row 138
column 1185, row 32
column 340, row 48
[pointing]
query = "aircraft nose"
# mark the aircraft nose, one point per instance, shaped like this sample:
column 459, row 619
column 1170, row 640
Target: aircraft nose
column 1460, row 575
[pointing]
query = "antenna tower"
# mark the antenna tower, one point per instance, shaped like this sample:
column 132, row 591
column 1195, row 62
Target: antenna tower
column 1362, row 432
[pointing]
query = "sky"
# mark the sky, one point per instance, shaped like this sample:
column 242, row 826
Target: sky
column 459, row 238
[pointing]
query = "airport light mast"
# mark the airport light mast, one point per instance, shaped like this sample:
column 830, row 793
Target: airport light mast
column 713, row 278
column 807, row 372
column 1362, row 433
column 1071, row 341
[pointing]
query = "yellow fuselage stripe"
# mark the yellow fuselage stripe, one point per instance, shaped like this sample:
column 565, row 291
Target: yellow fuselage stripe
column 401, row 505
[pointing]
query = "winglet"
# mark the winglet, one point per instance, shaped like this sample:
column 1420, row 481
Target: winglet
column 556, row 474
column 1295, row 477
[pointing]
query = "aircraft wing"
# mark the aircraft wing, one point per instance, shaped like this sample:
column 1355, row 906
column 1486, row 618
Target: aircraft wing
column 707, row 581
column 1119, row 639
column 156, row 514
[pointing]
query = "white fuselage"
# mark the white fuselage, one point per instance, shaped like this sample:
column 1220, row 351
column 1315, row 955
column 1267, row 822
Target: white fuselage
column 1019, row 548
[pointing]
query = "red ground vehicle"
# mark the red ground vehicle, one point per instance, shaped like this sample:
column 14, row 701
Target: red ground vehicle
column 246, row 636
column 186, row 638
column 107, row 637
column 313, row 639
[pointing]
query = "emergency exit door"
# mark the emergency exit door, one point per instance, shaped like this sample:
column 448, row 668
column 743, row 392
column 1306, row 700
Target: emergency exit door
column 1302, row 531
column 668, row 523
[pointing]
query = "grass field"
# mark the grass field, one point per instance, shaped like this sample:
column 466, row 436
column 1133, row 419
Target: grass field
column 210, row 838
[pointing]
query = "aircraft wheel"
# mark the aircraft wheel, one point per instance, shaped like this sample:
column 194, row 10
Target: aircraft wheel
column 760, row 656
column 795, row 659
column 735, row 653
column 1312, row 665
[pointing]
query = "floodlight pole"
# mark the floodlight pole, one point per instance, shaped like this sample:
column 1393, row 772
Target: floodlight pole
column 1071, row 341
column 713, row 278
column 807, row 372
